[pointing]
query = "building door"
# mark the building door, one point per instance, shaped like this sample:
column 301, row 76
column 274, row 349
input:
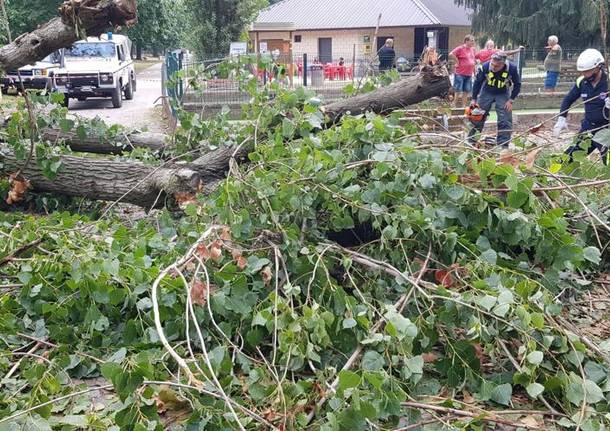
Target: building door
column 421, row 40
column 325, row 49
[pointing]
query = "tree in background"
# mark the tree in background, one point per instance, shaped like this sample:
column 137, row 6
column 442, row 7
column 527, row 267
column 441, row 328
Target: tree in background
column 530, row 22
column 159, row 26
column 214, row 24
column 26, row 15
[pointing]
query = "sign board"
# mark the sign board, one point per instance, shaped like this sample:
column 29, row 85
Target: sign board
column 262, row 47
column 238, row 48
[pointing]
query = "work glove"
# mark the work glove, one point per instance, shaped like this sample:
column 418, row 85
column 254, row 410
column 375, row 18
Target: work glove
column 559, row 126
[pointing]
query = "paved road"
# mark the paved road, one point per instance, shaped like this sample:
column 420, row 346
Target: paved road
column 137, row 113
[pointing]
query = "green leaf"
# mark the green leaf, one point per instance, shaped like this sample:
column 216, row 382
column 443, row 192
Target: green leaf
column 348, row 379
column 535, row 358
column 372, row 361
column 592, row 254
column 427, row 181
column 593, row 392
column 555, row 167
column 502, row 394
column 490, row 256
column 487, row 302
column 534, row 389
column 66, row 125
column 517, row 199
column 349, row 323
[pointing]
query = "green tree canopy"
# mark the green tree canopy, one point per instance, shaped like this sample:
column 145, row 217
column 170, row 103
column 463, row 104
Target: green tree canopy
column 530, row 22
column 158, row 26
column 214, row 24
column 25, row 15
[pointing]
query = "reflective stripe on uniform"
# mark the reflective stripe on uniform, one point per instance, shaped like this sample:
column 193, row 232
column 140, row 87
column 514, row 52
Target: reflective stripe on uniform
column 492, row 81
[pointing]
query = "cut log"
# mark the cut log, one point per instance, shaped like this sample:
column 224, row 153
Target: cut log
column 431, row 82
column 109, row 180
column 127, row 181
column 94, row 144
column 77, row 18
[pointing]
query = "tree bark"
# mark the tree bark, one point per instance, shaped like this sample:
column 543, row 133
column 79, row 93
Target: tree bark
column 109, row 180
column 77, row 19
column 431, row 82
column 97, row 145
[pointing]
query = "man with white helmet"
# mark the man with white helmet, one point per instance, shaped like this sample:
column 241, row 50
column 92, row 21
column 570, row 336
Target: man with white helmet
column 592, row 88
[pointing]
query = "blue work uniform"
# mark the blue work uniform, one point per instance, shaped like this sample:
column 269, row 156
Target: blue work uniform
column 495, row 87
column 596, row 114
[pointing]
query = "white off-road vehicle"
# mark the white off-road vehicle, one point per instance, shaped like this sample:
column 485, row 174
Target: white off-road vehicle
column 37, row 76
column 98, row 67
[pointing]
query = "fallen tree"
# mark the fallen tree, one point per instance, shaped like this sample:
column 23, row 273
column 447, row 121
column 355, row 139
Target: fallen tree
column 103, row 145
column 430, row 82
column 78, row 18
column 140, row 184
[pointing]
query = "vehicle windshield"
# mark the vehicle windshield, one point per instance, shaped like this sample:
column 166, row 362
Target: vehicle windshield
column 51, row 58
column 96, row 49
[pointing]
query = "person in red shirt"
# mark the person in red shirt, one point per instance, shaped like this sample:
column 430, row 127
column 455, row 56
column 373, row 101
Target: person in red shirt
column 464, row 58
column 490, row 49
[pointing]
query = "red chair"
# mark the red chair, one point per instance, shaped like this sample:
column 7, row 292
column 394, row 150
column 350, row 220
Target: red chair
column 349, row 72
column 340, row 72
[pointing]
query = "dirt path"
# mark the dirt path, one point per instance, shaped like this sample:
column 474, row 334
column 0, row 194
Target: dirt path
column 139, row 113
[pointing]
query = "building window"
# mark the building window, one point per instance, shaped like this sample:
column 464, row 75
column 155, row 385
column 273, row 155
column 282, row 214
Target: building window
column 297, row 38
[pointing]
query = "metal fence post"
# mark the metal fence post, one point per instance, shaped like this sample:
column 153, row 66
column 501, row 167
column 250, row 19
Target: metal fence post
column 521, row 61
column 304, row 70
column 180, row 86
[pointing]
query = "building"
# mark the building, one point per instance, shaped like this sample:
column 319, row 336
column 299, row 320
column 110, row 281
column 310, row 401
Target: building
column 329, row 29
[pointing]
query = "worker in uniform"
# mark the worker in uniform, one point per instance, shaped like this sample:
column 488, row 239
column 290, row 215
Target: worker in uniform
column 497, row 82
column 592, row 87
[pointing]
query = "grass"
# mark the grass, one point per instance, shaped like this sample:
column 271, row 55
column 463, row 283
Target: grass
column 8, row 103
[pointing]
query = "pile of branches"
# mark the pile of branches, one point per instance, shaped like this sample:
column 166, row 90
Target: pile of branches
column 339, row 269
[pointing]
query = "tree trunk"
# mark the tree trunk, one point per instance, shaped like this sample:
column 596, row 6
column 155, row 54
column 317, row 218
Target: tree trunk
column 131, row 182
column 147, row 186
column 77, row 18
column 431, row 82
column 139, row 51
column 109, row 180
column 94, row 144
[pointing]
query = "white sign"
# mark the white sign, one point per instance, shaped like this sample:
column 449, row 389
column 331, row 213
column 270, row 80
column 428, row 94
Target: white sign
column 262, row 47
column 238, row 48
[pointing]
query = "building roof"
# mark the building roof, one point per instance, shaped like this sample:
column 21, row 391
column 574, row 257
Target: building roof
column 343, row 14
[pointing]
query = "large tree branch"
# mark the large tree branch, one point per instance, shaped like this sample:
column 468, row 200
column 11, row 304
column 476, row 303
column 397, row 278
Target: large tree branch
column 77, row 18
column 431, row 82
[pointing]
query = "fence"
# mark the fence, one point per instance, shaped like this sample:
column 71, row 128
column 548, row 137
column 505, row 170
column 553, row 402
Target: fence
column 225, row 77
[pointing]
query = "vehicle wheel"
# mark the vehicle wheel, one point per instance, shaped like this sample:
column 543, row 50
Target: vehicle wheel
column 117, row 97
column 129, row 90
column 134, row 84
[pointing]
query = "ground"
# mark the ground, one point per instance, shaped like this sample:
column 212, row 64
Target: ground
column 143, row 112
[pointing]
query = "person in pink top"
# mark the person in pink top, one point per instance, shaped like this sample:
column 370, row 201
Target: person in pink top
column 485, row 54
column 490, row 49
column 464, row 58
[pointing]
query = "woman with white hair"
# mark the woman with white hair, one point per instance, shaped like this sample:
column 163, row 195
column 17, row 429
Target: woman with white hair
column 552, row 64
column 490, row 49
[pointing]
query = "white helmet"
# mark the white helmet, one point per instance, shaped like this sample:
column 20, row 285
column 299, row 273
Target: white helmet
column 589, row 59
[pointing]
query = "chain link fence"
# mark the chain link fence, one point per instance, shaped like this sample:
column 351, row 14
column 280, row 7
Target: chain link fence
column 218, row 80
